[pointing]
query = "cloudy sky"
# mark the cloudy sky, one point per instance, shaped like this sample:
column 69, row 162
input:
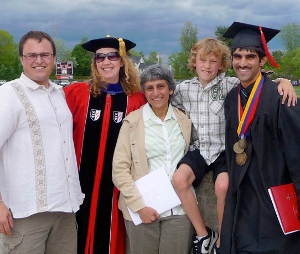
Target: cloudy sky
column 154, row 25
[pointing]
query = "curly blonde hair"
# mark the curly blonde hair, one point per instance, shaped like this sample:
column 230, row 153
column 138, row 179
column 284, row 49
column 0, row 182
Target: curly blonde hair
column 208, row 46
column 128, row 77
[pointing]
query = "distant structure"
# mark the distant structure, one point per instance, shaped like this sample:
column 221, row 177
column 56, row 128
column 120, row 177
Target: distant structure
column 55, row 31
column 64, row 70
column 140, row 63
column 157, row 56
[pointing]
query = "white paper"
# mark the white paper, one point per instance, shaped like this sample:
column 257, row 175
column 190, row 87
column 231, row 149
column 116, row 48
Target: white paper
column 157, row 192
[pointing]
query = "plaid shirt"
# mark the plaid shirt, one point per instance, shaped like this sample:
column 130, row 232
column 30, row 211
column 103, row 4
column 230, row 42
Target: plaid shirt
column 205, row 107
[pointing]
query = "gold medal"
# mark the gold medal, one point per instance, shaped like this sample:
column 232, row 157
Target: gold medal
column 237, row 149
column 241, row 158
column 242, row 143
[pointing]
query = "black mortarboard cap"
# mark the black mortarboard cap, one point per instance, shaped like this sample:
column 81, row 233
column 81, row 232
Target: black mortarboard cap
column 123, row 45
column 246, row 35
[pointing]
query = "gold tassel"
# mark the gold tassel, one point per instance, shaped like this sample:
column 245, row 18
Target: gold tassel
column 122, row 47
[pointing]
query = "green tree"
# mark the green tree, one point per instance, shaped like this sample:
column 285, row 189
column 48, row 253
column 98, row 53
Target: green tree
column 82, row 58
column 188, row 37
column 63, row 53
column 278, row 56
column 290, row 36
column 8, row 56
column 179, row 60
column 134, row 52
column 17, row 66
column 7, row 48
column 154, row 58
column 219, row 34
column 290, row 65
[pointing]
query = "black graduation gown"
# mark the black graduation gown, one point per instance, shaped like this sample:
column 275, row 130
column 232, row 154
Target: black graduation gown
column 250, row 224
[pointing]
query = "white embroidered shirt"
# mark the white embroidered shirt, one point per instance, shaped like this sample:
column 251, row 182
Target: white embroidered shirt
column 38, row 170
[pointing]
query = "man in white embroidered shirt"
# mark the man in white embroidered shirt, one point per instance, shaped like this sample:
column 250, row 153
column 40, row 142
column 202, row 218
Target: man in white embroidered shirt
column 39, row 186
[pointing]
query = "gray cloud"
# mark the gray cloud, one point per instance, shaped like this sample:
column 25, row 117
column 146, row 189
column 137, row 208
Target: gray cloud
column 155, row 25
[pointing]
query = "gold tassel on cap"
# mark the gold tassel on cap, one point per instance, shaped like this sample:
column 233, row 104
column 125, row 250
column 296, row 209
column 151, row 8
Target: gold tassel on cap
column 122, row 47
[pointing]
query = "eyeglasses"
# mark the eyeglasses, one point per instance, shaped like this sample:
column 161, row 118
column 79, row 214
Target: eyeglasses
column 33, row 56
column 112, row 56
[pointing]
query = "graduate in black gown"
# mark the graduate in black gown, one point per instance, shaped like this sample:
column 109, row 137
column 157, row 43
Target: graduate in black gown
column 262, row 149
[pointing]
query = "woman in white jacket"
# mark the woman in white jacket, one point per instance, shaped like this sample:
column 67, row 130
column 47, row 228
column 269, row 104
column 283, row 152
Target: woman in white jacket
column 154, row 136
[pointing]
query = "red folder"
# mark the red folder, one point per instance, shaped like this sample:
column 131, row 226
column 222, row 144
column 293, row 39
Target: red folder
column 286, row 205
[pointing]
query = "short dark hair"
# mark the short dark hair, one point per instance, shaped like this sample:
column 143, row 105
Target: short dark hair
column 260, row 52
column 37, row 35
column 157, row 72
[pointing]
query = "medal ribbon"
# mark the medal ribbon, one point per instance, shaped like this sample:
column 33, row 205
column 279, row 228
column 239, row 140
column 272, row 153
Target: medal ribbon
column 246, row 116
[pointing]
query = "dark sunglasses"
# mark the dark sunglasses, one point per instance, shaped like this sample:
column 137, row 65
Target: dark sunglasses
column 112, row 56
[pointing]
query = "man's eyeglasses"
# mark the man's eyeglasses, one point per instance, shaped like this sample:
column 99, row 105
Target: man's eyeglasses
column 33, row 56
column 112, row 56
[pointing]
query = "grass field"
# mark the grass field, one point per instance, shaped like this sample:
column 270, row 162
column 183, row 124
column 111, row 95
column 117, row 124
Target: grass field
column 297, row 89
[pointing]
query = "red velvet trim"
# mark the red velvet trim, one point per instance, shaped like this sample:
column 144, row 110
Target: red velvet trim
column 77, row 97
column 94, row 203
column 117, row 244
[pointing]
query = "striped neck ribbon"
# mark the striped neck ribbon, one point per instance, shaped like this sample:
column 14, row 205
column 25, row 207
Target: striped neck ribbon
column 246, row 116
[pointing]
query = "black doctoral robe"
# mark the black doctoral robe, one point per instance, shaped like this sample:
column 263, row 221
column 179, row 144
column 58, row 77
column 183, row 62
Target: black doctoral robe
column 96, row 125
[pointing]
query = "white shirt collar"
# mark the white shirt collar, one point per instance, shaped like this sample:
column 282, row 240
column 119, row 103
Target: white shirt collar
column 149, row 114
column 33, row 85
